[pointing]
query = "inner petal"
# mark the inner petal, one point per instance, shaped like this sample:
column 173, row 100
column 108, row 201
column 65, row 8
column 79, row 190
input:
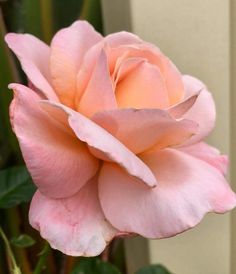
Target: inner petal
column 143, row 87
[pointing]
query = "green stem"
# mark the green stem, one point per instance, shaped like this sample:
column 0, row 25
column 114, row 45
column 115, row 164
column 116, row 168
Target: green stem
column 15, row 268
column 42, row 259
column 13, row 222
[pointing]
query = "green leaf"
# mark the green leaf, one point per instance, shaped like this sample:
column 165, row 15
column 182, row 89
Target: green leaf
column 153, row 269
column 8, row 74
column 94, row 265
column 22, row 241
column 15, row 187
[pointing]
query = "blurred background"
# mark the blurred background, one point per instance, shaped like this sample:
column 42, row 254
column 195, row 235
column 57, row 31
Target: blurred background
column 200, row 38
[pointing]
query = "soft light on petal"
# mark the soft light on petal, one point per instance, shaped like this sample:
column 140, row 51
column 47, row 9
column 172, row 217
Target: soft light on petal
column 102, row 144
column 75, row 225
column 209, row 154
column 202, row 111
column 58, row 162
column 143, row 87
column 188, row 188
column 141, row 129
column 68, row 48
column 34, row 57
column 99, row 94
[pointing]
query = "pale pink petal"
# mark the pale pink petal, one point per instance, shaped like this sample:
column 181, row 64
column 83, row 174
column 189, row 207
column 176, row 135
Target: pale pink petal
column 203, row 110
column 197, row 106
column 173, row 81
column 34, row 57
column 68, row 48
column 75, row 225
column 178, row 110
column 192, row 85
column 102, row 144
column 141, row 129
column 188, row 188
column 170, row 73
column 59, row 163
column 209, row 154
column 99, row 94
column 143, row 87
column 122, row 38
column 86, row 70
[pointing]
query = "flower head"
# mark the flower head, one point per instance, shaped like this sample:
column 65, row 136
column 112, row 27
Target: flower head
column 112, row 135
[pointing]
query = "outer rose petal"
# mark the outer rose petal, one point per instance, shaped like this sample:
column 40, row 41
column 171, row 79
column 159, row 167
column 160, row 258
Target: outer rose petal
column 188, row 188
column 122, row 38
column 102, row 144
column 34, row 57
column 143, row 87
column 209, row 154
column 59, row 163
column 143, row 128
column 99, row 94
column 75, row 225
column 192, row 85
column 68, row 48
column 178, row 110
column 203, row 110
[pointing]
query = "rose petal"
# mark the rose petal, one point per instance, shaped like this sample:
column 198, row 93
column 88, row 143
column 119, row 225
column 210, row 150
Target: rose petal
column 188, row 188
column 102, row 144
column 209, row 154
column 124, row 66
column 59, row 163
column 99, row 94
column 192, row 85
column 143, row 87
column 178, row 110
column 34, row 57
column 85, row 72
column 141, row 129
column 75, row 225
column 171, row 75
column 203, row 110
column 122, row 38
column 68, row 48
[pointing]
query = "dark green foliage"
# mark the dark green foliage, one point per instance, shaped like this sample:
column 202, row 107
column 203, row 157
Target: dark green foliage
column 23, row 241
column 15, row 187
column 94, row 265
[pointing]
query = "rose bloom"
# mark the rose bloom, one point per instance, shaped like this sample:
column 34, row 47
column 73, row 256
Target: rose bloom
column 111, row 133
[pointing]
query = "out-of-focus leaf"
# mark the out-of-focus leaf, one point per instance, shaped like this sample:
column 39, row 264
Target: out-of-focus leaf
column 32, row 17
column 23, row 240
column 15, row 187
column 8, row 74
column 94, row 265
column 117, row 254
column 66, row 12
column 92, row 13
column 153, row 269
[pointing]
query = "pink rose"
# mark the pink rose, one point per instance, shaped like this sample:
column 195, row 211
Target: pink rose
column 111, row 133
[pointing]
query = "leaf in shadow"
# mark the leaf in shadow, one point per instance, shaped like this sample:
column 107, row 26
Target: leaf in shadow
column 94, row 265
column 15, row 187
